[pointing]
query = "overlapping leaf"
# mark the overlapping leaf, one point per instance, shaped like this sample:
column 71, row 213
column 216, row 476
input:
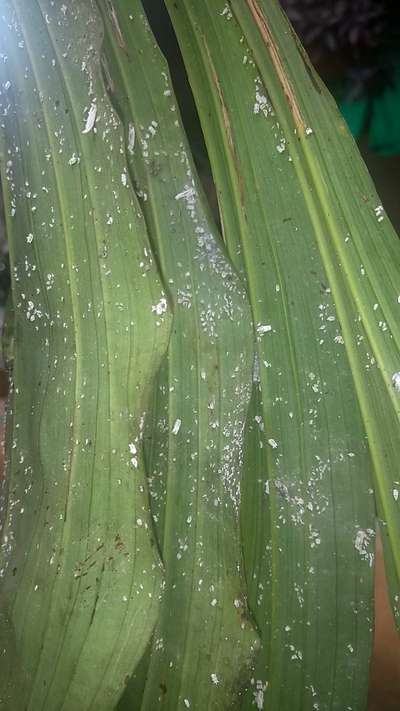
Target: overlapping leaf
column 204, row 641
column 311, row 580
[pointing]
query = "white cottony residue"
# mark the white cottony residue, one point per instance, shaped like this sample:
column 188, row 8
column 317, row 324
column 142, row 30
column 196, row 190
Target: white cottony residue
column 259, row 694
column 214, row 679
column 131, row 138
column 396, row 381
column 91, row 118
column 361, row 544
column 160, row 308
column 177, row 426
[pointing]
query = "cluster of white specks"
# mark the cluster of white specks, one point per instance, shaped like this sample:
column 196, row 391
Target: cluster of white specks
column 208, row 323
column 50, row 279
column 185, row 297
column 74, row 160
column 299, row 594
column 29, row 238
column 362, row 542
column 133, row 452
column 91, row 118
column 262, row 104
column 151, row 130
column 379, row 213
column 226, row 12
column 188, row 194
column 396, row 381
column 309, row 131
column 281, row 146
column 182, row 547
column 32, row 312
column 296, row 653
column 258, row 693
column 161, row 307
column 313, row 536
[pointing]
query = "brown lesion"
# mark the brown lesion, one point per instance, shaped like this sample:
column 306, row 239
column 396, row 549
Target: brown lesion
column 268, row 38
column 225, row 118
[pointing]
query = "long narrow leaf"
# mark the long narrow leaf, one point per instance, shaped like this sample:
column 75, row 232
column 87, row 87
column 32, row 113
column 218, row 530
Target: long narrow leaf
column 204, row 641
column 314, row 608
column 80, row 574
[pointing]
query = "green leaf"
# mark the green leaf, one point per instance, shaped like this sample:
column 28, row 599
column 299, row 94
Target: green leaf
column 81, row 577
column 312, row 586
column 204, row 641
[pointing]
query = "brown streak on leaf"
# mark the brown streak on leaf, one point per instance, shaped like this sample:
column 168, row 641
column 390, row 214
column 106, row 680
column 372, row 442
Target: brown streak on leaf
column 115, row 23
column 227, row 124
column 269, row 42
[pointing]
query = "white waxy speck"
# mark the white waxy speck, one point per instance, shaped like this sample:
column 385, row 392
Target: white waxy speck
column 131, row 138
column 29, row 238
column 160, row 308
column 177, row 426
column 263, row 328
column 214, row 679
column 187, row 703
column 396, row 381
column 213, row 602
column 124, row 179
column 273, row 443
column 395, row 493
column 188, row 194
column 74, row 158
column 139, row 522
column 309, row 131
column 91, row 118
column 133, row 451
